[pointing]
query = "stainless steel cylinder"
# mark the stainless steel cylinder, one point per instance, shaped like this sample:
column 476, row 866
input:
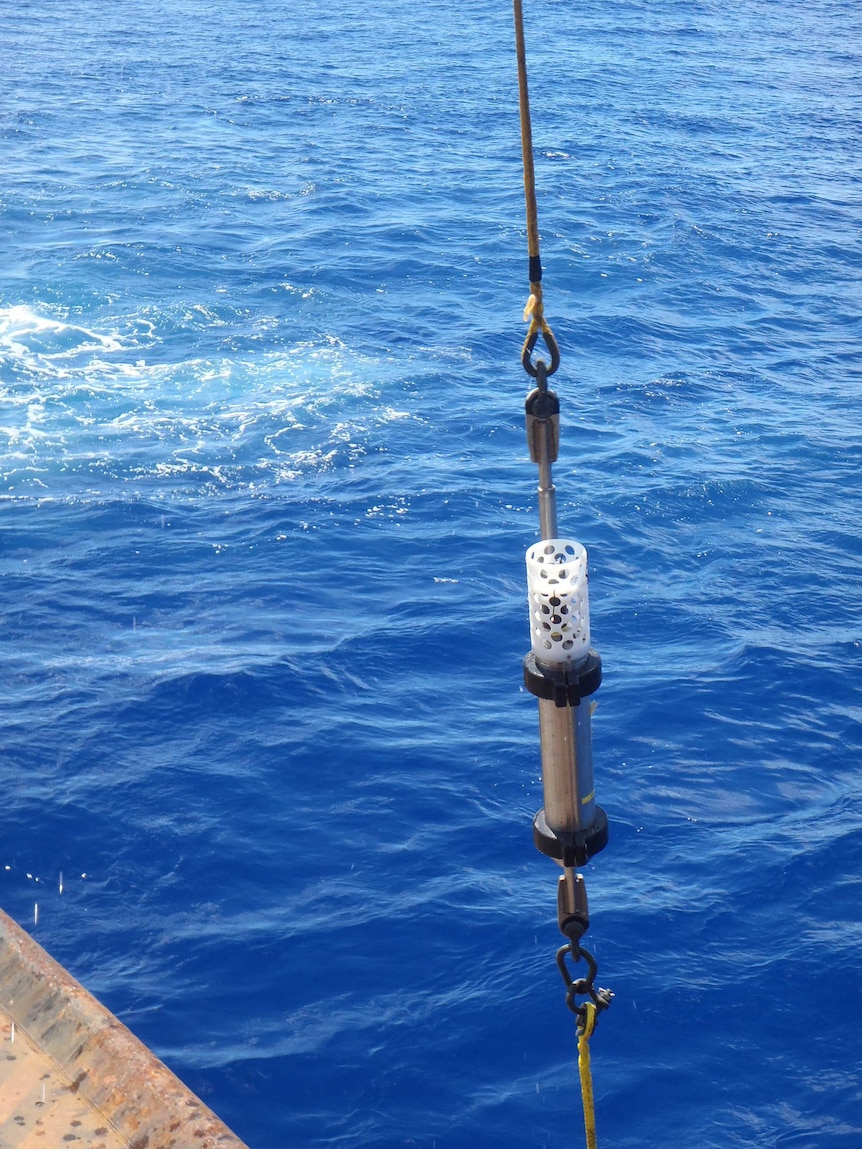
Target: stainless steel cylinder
column 567, row 766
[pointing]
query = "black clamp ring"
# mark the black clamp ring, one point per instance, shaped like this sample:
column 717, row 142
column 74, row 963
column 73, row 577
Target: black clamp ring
column 566, row 686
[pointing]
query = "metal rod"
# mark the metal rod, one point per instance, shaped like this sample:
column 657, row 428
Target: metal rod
column 547, row 502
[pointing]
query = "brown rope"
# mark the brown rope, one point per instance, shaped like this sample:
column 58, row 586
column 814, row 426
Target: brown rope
column 533, row 312
column 527, row 149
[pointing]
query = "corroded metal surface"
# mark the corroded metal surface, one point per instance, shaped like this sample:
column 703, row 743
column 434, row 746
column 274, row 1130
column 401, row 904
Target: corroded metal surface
column 37, row 1106
column 72, row 1074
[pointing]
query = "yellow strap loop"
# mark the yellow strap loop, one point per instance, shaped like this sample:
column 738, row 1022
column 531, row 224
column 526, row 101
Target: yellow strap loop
column 534, row 313
column 585, row 1031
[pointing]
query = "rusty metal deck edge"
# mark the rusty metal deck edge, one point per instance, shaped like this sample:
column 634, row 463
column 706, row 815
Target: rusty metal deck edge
column 104, row 1062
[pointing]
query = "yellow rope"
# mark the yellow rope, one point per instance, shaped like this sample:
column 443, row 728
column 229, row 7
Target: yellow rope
column 584, row 1034
column 533, row 312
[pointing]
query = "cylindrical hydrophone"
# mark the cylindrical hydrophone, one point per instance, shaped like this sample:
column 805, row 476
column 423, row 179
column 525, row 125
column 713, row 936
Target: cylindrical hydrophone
column 560, row 637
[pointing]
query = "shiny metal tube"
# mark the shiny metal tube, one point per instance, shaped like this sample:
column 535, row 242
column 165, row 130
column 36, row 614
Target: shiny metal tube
column 567, row 766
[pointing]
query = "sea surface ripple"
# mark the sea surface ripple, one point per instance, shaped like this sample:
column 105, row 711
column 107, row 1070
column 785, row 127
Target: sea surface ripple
column 264, row 499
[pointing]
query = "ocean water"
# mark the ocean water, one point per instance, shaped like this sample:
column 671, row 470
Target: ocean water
column 268, row 765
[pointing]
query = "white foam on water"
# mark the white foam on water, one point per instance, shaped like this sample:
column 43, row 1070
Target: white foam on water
column 128, row 402
column 38, row 340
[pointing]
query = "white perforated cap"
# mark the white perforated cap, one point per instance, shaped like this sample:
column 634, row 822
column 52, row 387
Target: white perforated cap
column 559, row 603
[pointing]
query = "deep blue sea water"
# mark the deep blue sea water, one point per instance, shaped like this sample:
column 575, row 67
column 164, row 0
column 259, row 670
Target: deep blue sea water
column 264, row 501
